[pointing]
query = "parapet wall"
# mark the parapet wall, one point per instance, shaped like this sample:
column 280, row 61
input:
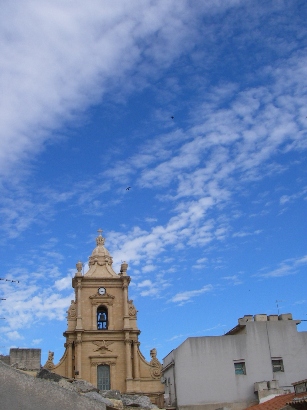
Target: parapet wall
column 264, row 318
column 5, row 359
column 25, row 359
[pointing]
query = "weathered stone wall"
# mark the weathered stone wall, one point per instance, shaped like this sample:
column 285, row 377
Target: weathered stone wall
column 21, row 391
column 28, row 359
column 5, row 359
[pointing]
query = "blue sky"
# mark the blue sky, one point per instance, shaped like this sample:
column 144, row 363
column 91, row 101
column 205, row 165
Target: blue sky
column 214, row 225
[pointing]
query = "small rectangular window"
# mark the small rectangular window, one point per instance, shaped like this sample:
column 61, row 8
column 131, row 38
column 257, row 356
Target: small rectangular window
column 277, row 365
column 300, row 387
column 240, row 368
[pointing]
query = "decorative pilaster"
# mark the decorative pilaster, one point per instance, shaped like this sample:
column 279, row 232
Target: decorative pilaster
column 128, row 359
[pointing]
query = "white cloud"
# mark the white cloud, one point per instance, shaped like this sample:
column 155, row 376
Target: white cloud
column 234, row 279
column 152, row 288
column 45, row 81
column 284, row 199
column 37, row 341
column 32, row 303
column 285, row 268
column 243, row 234
column 14, row 335
column 63, row 283
column 186, row 296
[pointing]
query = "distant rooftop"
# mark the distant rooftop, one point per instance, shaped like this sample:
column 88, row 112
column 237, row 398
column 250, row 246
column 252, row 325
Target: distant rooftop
column 262, row 317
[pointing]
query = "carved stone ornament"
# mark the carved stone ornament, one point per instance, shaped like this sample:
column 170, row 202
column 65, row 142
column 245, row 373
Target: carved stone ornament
column 131, row 308
column 107, row 299
column 72, row 311
column 156, row 366
column 100, row 255
column 49, row 363
column 102, row 346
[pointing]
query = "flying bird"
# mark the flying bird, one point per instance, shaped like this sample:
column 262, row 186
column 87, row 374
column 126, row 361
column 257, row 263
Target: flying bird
column 127, row 189
column 172, row 117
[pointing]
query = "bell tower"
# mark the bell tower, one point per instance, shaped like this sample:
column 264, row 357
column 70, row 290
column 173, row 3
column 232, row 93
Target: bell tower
column 102, row 344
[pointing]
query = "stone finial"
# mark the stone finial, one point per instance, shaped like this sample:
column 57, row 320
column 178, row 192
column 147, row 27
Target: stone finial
column 153, row 353
column 49, row 363
column 156, row 366
column 123, row 267
column 79, row 266
column 100, row 240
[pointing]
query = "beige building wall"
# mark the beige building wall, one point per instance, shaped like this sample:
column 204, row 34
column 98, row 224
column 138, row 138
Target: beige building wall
column 102, row 331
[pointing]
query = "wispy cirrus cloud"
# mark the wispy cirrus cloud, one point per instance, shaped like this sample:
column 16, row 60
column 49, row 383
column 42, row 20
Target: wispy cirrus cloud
column 187, row 296
column 285, row 268
column 285, row 199
column 234, row 279
column 44, row 81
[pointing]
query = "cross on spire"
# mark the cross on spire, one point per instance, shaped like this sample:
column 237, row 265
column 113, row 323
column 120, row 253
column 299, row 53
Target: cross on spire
column 99, row 239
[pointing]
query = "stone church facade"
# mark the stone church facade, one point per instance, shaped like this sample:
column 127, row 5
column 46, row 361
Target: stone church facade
column 102, row 344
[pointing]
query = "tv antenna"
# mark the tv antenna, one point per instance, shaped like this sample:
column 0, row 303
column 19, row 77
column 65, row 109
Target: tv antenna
column 277, row 304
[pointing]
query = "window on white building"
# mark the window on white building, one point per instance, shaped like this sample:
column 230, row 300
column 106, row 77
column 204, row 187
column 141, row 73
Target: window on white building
column 277, row 365
column 240, row 368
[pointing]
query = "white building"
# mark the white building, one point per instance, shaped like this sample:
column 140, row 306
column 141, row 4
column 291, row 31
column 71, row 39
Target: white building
column 262, row 356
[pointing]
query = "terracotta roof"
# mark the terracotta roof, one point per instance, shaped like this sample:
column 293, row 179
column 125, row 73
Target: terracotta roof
column 299, row 398
column 276, row 403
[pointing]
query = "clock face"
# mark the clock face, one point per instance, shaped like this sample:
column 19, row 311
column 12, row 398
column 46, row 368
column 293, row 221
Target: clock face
column 101, row 291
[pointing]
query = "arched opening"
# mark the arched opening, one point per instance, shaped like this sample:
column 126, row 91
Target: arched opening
column 102, row 318
column 103, row 377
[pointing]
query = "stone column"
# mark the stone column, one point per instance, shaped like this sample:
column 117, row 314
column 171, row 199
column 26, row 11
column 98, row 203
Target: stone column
column 125, row 279
column 94, row 316
column 78, row 356
column 136, row 360
column 94, row 374
column 69, row 360
column 125, row 303
column 77, row 280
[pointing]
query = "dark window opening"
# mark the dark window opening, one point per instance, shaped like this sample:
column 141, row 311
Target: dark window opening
column 277, row 365
column 240, row 368
column 102, row 318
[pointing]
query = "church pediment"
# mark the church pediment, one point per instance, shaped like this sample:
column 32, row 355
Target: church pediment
column 97, row 298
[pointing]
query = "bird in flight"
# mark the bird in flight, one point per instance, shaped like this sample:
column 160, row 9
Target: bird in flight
column 172, row 117
column 127, row 189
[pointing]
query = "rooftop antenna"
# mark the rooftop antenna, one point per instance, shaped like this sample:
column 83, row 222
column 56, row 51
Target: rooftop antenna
column 277, row 304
